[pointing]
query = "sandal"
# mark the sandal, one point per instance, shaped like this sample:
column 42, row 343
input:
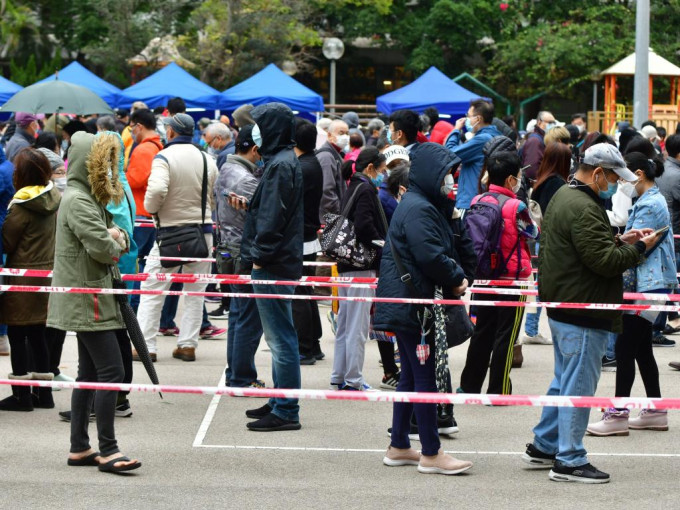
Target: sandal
column 110, row 466
column 89, row 460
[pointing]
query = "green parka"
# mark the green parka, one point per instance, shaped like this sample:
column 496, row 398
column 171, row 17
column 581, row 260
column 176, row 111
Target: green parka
column 579, row 260
column 85, row 253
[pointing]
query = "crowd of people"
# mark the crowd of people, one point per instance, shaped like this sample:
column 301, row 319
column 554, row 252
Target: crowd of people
column 433, row 205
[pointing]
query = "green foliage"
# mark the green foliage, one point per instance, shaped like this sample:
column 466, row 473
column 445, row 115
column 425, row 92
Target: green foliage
column 27, row 73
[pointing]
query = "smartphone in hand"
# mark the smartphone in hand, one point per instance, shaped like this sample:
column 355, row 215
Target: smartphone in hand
column 661, row 230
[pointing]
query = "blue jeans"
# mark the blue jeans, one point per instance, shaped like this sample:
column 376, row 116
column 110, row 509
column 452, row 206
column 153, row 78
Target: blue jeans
column 243, row 338
column 578, row 362
column 660, row 322
column 531, row 324
column 611, row 345
column 279, row 332
column 144, row 237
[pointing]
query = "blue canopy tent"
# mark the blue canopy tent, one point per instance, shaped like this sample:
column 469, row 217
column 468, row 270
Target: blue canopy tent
column 272, row 84
column 78, row 75
column 171, row 81
column 7, row 89
column 433, row 88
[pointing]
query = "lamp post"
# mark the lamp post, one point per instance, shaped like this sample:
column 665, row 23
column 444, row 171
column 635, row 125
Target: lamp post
column 333, row 49
column 595, row 77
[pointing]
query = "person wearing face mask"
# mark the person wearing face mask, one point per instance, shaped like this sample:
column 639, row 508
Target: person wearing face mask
column 477, row 121
column 534, row 147
column 354, row 317
column 330, row 156
column 656, row 274
column 219, row 141
column 581, row 261
column 497, row 328
column 580, row 120
column 58, row 168
column 28, row 126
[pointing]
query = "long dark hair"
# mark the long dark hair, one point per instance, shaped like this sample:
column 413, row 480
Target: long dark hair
column 556, row 161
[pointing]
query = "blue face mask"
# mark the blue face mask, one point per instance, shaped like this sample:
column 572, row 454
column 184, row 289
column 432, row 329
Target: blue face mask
column 377, row 181
column 389, row 137
column 611, row 189
column 468, row 125
column 260, row 163
column 257, row 135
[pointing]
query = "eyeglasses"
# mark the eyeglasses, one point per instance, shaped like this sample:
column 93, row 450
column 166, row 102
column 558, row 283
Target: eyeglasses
column 133, row 126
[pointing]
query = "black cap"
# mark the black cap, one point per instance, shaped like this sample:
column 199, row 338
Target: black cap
column 244, row 140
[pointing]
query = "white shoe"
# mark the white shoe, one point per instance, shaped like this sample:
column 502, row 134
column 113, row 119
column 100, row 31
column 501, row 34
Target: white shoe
column 4, row 345
column 538, row 339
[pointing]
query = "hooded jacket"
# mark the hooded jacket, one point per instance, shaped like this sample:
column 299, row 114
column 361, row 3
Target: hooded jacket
column 422, row 234
column 273, row 233
column 85, row 253
column 28, row 240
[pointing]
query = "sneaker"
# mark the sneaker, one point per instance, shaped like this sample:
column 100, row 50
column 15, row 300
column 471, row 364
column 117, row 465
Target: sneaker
column 184, row 353
column 401, row 457
column 169, row 331
column 587, row 473
column 63, row 378
column 390, row 382
column 66, row 416
column 613, row 423
column 272, row 423
column 662, row 341
column 537, row 339
column 220, row 314
column 397, row 358
column 4, row 345
column 446, row 425
column 212, row 299
column 257, row 383
column 260, row 412
column 670, row 330
column 650, row 419
column 123, row 410
column 307, row 360
column 675, row 365
column 364, row 387
column 331, row 318
column 152, row 355
column 336, row 386
column 412, row 434
column 318, row 353
column 537, row 459
column 608, row 364
column 211, row 332
column 442, row 464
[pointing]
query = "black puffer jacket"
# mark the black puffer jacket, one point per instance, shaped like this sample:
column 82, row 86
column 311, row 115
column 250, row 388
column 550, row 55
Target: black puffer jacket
column 426, row 239
column 273, row 232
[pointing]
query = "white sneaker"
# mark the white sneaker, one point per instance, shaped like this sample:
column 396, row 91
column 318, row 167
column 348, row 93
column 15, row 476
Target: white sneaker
column 538, row 339
column 4, row 345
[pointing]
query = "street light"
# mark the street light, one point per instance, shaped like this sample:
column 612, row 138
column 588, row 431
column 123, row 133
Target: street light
column 333, row 49
column 595, row 77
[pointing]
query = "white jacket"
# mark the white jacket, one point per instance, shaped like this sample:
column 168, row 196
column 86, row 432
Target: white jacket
column 174, row 188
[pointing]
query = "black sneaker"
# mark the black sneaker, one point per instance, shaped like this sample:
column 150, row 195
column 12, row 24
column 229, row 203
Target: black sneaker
column 412, row 435
column 272, row 423
column 446, row 424
column 260, row 412
column 670, row 330
column 662, row 341
column 66, row 416
column 219, row 313
column 537, row 459
column 123, row 410
column 307, row 360
column 608, row 364
column 587, row 473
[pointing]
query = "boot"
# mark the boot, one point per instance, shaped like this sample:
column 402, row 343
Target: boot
column 20, row 400
column 613, row 423
column 517, row 357
column 650, row 419
column 42, row 397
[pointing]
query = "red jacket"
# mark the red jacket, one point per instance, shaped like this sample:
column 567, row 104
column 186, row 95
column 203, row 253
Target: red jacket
column 139, row 169
column 441, row 131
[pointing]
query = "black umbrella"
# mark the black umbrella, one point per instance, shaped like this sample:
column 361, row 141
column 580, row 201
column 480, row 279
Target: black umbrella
column 135, row 332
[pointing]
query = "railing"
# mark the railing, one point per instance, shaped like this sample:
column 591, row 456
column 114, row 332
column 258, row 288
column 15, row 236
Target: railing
column 665, row 116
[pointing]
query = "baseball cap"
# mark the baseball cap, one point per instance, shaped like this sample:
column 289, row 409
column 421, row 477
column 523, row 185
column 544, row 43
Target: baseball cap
column 395, row 152
column 607, row 156
column 24, row 119
column 244, row 140
column 650, row 133
column 181, row 123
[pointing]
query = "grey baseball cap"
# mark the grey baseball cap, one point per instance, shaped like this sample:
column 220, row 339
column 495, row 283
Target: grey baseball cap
column 181, row 123
column 607, row 156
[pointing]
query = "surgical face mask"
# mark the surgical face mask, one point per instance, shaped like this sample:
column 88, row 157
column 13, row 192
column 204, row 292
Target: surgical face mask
column 581, row 128
column 447, row 188
column 549, row 126
column 257, row 135
column 378, row 180
column 469, row 126
column 517, row 185
column 64, row 147
column 342, row 141
column 60, row 183
column 389, row 137
column 628, row 189
column 611, row 189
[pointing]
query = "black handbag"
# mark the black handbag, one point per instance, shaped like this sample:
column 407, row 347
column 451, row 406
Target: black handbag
column 187, row 241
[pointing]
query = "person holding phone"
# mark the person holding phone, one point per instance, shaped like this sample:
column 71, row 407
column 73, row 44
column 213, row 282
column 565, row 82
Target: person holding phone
column 656, row 273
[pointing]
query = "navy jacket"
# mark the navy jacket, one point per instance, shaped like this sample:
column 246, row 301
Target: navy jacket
column 426, row 239
column 273, row 232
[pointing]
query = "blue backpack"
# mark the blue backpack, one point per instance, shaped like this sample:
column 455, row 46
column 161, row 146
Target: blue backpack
column 485, row 224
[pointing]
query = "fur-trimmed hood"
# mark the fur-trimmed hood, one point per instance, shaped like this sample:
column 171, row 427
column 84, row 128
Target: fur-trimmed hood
column 93, row 166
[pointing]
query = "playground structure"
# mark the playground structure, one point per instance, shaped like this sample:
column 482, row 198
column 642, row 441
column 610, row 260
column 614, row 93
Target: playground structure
column 665, row 115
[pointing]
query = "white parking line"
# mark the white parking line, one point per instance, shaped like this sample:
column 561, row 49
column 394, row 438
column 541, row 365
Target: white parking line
column 209, row 414
column 455, row 452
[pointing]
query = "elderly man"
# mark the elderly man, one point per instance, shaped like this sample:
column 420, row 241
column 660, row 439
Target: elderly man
column 330, row 157
column 534, row 147
column 218, row 137
column 581, row 262
column 24, row 136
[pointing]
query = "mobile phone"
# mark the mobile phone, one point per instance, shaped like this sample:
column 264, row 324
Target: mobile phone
column 661, row 230
column 378, row 242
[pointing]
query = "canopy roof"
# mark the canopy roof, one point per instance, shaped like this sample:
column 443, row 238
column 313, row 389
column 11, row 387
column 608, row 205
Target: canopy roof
column 7, row 89
column 171, row 81
column 78, row 75
column 272, row 84
column 433, row 88
column 658, row 66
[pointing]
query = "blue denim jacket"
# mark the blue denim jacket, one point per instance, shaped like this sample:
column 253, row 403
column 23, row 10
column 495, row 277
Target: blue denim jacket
column 658, row 270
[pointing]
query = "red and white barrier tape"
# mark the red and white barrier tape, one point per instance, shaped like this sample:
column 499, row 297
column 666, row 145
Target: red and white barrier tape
column 193, row 259
column 371, row 396
column 523, row 304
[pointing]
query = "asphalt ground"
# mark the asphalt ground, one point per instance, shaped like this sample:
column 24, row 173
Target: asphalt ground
column 197, row 453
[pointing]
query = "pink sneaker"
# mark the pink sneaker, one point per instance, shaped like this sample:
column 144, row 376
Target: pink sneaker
column 169, row 331
column 401, row 457
column 442, row 464
column 211, row 332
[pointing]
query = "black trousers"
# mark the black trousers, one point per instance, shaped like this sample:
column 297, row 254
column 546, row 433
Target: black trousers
column 55, row 344
column 495, row 334
column 635, row 345
column 29, row 349
column 306, row 315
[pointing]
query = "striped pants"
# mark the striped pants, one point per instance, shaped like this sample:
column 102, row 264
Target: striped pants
column 495, row 334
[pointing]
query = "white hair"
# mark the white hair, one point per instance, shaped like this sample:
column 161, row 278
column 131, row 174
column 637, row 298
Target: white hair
column 219, row 129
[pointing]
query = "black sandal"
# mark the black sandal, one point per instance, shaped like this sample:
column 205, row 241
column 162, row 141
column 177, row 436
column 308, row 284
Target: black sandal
column 110, row 466
column 89, row 460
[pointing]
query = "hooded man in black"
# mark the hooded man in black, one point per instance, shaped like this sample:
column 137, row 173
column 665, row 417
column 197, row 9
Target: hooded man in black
column 272, row 246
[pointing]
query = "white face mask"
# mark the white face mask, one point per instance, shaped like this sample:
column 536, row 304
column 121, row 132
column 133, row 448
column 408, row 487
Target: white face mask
column 517, row 185
column 581, row 128
column 342, row 141
column 257, row 135
column 628, row 189
column 60, row 183
column 448, row 185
